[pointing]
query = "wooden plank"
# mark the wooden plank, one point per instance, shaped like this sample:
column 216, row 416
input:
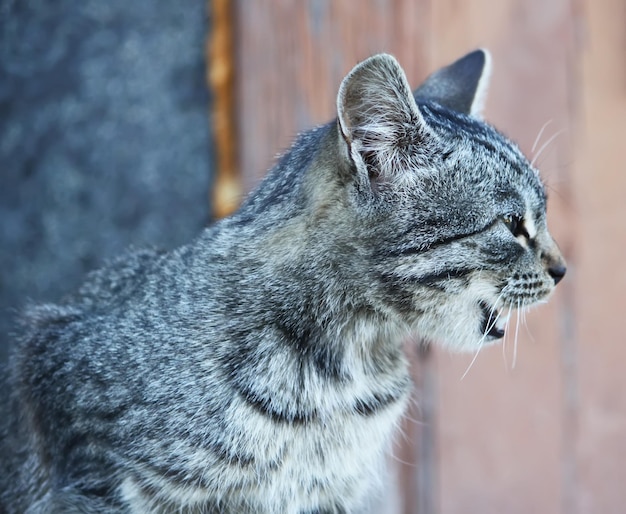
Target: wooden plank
column 413, row 455
column 227, row 192
column 501, row 431
column 507, row 440
column 600, row 188
column 292, row 56
column 290, row 61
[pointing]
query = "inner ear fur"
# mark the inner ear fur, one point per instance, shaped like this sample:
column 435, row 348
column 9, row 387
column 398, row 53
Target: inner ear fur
column 376, row 91
column 377, row 115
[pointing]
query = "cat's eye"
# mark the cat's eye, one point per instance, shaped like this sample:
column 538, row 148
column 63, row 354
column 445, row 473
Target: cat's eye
column 516, row 225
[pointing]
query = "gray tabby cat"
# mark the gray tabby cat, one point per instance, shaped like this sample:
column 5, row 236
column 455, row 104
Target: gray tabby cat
column 259, row 369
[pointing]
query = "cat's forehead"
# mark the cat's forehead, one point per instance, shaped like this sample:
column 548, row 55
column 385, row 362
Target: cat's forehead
column 482, row 155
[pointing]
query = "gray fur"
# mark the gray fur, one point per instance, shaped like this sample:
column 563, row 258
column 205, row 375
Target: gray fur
column 259, row 368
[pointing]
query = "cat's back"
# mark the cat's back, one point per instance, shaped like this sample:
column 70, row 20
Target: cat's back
column 79, row 368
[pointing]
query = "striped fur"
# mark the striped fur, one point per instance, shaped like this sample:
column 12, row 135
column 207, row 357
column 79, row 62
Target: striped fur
column 259, row 368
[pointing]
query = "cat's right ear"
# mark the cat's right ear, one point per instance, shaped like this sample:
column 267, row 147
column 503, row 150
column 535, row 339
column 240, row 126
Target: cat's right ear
column 378, row 117
column 460, row 86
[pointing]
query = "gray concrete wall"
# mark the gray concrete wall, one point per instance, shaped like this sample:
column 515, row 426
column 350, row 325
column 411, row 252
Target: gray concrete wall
column 104, row 138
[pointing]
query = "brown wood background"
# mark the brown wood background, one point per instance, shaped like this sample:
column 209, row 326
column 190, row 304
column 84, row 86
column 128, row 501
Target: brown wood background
column 549, row 435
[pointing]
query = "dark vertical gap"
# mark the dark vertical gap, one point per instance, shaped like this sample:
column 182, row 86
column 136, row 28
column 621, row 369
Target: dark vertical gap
column 425, row 478
column 568, row 335
column 569, row 366
column 417, row 449
column 428, row 464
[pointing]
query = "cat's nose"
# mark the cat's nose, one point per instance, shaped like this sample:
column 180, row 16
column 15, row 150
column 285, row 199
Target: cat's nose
column 553, row 259
column 557, row 272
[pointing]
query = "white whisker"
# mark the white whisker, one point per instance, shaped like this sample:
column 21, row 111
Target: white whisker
column 403, row 462
column 538, row 138
column 506, row 333
column 517, row 322
column 482, row 339
column 506, row 365
column 544, row 146
column 414, row 407
column 530, row 335
column 473, row 360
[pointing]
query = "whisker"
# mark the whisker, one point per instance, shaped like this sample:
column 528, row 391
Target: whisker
column 506, row 364
column 416, row 408
column 493, row 308
column 530, row 335
column 473, row 360
column 517, row 322
column 544, row 146
column 405, row 463
column 506, row 334
column 544, row 127
column 487, row 329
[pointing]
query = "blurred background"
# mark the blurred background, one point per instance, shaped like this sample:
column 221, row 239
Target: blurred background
column 136, row 123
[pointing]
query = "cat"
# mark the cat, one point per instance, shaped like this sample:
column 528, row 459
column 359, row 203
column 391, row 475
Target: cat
column 259, row 369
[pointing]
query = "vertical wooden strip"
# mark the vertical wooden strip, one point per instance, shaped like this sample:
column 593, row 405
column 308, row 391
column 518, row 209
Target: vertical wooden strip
column 501, row 432
column 414, row 453
column 291, row 57
column 503, row 426
column 426, row 479
column 600, row 189
column 570, row 355
column 571, row 396
column 547, row 436
column 227, row 189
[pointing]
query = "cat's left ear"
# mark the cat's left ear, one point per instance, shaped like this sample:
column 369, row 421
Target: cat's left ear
column 378, row 118
column 461, row 86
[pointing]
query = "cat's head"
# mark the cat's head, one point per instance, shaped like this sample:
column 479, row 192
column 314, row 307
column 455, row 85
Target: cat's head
column 453, row 215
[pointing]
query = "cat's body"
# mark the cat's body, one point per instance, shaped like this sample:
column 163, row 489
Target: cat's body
column 259, row 369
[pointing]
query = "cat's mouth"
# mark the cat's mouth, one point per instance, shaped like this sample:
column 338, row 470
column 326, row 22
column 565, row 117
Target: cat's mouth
column 493, row 323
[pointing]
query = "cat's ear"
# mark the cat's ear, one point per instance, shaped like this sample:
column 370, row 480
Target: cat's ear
column 378, row 117
column 461, row 86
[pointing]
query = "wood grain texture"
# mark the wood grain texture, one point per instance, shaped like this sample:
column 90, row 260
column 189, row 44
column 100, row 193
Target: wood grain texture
column 600, row 190
column 548, row 435
column 227, row 190
column 501, row 429
column 292, row 56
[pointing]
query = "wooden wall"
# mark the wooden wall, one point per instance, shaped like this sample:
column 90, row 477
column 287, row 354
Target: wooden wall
column 546, row 433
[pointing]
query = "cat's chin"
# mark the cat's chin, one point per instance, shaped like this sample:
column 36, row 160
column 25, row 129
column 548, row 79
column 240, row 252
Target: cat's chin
column 476, row 317
column 470, row 329
column 493, row 323
column 467, row 345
